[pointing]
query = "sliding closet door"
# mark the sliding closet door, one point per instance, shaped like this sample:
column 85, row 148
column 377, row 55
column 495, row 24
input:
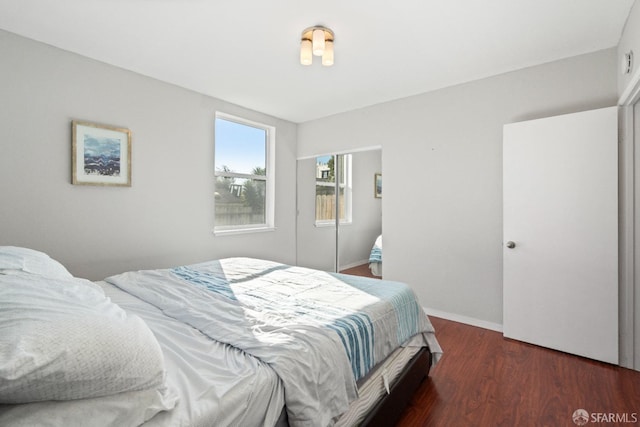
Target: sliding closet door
column 323, row 242
column 561, row 233
column 356, row 238
column 316, row 242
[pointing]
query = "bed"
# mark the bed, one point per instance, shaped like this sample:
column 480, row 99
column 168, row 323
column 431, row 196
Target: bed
column 231, row 342
column 375, row 257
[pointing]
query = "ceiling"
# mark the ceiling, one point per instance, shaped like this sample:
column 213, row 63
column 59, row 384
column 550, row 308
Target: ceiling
column 247, row 51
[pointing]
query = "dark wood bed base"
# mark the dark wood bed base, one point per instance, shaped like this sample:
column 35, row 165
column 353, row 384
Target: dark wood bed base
column 388, row 410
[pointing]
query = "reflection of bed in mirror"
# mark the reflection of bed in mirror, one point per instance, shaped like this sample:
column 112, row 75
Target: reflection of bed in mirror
column 375, row 258
column 221, row 342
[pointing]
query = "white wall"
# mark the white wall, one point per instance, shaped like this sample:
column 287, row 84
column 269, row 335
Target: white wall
column 441, row 164
column 166, row 217
column 630, row 41
column 442, row 168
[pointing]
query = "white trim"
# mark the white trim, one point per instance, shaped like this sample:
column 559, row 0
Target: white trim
column 241, row 175
column 237, row 230
column 355, row 150
column 241, row 120
column 463, row 319
column 631, row 94
column 331, row 223
column 270, row 178
column 270, row 202
column 347, row 187
column 626, row 296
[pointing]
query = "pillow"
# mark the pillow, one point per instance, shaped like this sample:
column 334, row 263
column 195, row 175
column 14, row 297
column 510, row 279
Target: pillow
column 64, row 339
column 129, row 409
column 31, row 261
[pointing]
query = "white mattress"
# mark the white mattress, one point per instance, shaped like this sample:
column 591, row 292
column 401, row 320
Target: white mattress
column 217, row 384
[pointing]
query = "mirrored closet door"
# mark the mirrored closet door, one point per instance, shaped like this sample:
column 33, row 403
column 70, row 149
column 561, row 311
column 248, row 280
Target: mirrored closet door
column 337, row 233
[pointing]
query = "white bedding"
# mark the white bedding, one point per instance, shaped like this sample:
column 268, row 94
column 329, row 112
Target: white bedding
column 278, row 313
column 206, row 382
column 214, row 385
column 129, row 409
column 69, row 355
column 217, row 384
column 62, row 339
column 375, row 258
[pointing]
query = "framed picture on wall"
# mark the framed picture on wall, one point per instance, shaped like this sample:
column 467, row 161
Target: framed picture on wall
column 377, row 186
column 100, row 155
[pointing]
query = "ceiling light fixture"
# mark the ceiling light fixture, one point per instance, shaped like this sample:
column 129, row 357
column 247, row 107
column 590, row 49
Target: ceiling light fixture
column 316, row 41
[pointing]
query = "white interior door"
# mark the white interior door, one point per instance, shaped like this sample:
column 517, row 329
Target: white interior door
column 561, row 212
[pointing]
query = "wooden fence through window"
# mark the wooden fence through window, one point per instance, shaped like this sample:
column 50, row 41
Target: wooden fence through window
column 326, row 207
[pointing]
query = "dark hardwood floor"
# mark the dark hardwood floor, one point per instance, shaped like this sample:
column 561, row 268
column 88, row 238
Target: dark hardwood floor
column 484, row 379
column 360, row 270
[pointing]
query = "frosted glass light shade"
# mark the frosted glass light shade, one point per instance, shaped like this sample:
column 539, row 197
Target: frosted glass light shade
column 306, row 57
column 327, row 55
column 318, row 42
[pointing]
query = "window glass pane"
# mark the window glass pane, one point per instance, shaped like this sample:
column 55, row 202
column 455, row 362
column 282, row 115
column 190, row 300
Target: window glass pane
column 324, row 169
column 240, row 201
column 240, row 148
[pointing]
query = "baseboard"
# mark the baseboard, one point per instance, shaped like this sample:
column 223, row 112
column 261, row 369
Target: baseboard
column 354, row 264
column 464, row 319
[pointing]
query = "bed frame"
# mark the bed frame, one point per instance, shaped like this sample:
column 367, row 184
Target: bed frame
column 387, row 411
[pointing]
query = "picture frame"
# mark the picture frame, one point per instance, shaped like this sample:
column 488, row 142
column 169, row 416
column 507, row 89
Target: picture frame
column 377, row 185
column 100, row 155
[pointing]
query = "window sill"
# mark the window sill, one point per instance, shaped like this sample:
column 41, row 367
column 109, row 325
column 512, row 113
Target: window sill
column 233, row 231
column 331, row 223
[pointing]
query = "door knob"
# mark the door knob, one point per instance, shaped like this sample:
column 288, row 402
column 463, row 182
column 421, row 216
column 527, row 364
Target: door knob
column 511, row 244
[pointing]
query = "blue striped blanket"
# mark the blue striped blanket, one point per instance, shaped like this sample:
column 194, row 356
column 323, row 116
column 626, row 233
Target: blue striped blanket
column 319, row 331
column 376, row 251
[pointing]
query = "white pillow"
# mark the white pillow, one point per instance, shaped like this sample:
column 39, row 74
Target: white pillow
column 31, row 261
column 64, row 339
column 129, row 409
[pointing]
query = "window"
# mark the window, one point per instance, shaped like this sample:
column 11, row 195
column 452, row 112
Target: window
column 244, row 187
column 326, row 173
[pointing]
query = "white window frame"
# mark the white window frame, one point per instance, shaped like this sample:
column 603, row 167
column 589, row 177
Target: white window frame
column 270, row 138
column 347, row 187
